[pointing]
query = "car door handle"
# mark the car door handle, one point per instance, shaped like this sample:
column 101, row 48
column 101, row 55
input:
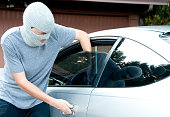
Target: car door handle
column 73, row 112
column 66, row 115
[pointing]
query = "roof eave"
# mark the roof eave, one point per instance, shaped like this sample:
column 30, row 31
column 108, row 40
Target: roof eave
column 131, row 2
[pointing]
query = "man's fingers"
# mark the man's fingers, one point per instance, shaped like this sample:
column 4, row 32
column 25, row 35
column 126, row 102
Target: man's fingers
column 64, row 106
column 68, row 111
column 69, row 105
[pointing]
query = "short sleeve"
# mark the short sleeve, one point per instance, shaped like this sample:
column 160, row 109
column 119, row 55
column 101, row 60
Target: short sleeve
column 11, row 59
column 65, row 35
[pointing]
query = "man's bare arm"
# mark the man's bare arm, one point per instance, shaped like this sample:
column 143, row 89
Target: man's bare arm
column 34, row 91
column 84, row 40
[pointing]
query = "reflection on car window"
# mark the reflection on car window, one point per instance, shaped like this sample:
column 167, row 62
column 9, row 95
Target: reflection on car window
column 133, row 64
column 165, row 37
column 69, row 66
column 78, row 68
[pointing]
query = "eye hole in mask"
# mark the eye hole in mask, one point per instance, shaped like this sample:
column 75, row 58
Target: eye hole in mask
column 37, row 31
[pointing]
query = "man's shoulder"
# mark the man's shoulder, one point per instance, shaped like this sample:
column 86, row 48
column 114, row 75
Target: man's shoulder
column 62, row 31
column 8, row 33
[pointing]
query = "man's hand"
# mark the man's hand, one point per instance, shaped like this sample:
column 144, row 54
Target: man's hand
column 84, row 40
column 62, row 105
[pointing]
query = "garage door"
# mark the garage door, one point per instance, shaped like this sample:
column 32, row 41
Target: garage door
column 88, row 23
column 91, row 23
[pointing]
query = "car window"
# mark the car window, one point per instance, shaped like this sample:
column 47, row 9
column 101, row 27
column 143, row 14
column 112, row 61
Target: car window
column 133, row 64
column 78, row 67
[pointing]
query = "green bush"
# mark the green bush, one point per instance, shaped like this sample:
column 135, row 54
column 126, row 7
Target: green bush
column 160, row 15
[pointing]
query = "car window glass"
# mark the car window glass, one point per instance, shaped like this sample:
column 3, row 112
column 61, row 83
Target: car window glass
column 133, row 64
column 78, row 68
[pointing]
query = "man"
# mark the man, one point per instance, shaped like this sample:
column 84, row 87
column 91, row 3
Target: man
column 29, row 53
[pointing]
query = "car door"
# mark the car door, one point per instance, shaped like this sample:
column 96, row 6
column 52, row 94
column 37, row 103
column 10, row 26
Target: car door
column 67, row 68
column 144, row 96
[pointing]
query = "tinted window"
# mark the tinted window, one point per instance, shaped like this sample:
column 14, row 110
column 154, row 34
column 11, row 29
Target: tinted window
column 129, row 53
column 78, row 68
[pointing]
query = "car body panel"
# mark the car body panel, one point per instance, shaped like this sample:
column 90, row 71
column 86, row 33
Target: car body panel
column 146, row 101
column 77, row 96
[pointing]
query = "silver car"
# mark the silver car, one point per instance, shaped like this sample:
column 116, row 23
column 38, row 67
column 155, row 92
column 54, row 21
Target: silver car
column 126, row 75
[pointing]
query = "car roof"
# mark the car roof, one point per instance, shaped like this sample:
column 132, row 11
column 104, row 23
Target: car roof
column 147, row 35
column 161, row 28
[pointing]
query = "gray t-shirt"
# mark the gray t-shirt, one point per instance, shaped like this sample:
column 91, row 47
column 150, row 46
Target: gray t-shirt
column 36, row 62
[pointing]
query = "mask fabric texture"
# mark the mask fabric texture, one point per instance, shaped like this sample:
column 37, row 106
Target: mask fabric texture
column 37, row 15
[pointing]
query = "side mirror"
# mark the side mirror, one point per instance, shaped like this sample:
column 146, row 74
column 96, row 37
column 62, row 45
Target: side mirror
column 127, row 73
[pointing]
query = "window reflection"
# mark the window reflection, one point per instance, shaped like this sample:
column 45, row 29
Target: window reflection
column 78, row 68
column 67, row 67
column 131, row 53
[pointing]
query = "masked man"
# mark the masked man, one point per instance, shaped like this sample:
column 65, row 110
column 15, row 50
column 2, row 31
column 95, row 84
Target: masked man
column 29, row 53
